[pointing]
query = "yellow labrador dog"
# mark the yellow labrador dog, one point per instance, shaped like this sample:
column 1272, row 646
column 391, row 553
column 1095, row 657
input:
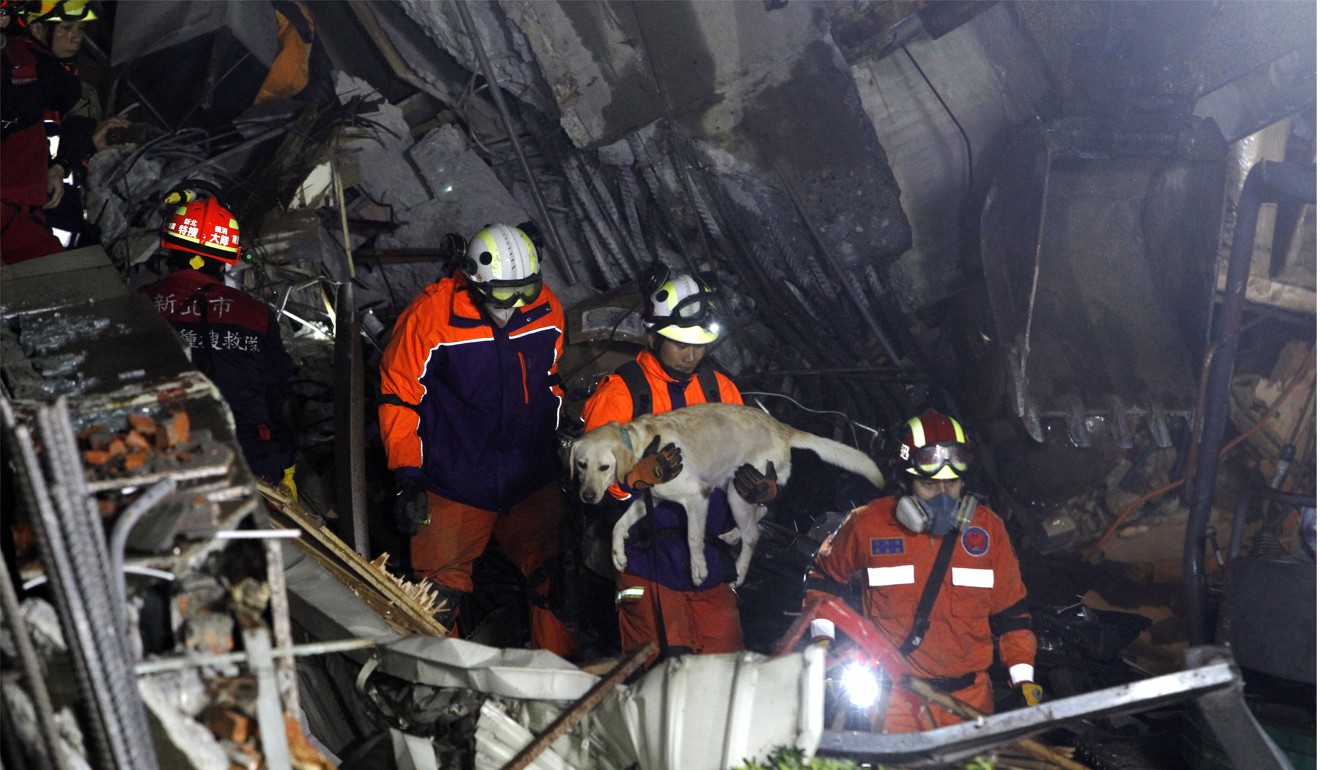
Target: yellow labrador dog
column 715, row 440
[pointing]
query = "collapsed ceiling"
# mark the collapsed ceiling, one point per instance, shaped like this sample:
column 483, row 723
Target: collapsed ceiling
column 1014, row 211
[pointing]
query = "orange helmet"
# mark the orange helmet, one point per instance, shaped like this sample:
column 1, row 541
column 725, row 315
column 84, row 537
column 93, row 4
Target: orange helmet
column 202, row 226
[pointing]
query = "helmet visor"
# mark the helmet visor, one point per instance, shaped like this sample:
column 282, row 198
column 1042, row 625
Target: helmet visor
column 511, row 293
column 930, row 460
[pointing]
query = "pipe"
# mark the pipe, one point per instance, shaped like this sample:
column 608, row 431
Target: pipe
column 350, row 421
column 565, row 264
column 1267, row 181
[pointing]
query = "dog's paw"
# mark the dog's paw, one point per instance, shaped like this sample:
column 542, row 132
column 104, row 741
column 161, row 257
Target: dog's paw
column 732, row 537
column 620, row 559
column 699, row 572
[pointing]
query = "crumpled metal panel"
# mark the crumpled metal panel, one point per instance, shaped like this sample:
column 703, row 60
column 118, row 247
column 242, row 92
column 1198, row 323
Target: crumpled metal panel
column 991, row 78
column 1099, row 274
column 709, row 712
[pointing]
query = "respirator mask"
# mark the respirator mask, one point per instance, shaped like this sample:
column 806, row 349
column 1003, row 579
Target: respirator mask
column 938, row 516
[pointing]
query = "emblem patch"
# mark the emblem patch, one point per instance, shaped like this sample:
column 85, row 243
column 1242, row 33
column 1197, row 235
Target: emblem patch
column 886, row 546
column 975, row 541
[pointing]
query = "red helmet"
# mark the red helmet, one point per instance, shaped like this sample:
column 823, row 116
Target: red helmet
column 203, row 227
column 934, row 446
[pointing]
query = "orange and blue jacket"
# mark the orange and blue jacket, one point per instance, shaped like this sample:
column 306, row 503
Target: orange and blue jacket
column 666, row 560
column 468, row 408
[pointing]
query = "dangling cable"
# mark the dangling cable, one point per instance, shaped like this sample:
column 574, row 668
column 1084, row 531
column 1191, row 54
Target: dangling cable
column 966, row 142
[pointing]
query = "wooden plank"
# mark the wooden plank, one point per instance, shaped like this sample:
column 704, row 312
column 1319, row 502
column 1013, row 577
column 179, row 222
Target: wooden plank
column 405, row 606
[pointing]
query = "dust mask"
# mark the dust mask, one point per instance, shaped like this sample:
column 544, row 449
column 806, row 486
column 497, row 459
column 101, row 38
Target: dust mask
column 500, row 315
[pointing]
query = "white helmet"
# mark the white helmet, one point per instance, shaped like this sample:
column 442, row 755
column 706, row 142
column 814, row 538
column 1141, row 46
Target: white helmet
column 682, row 309
column 502, row 267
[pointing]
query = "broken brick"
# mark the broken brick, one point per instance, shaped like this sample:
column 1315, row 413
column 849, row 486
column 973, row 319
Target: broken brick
column 142, row 424
column 178, row 428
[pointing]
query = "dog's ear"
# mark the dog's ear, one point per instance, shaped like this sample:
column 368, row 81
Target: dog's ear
column 572, row 458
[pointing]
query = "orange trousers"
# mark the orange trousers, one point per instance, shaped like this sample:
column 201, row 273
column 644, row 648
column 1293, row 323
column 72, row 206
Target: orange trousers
column 703, row 621
column 444, row 550
column 910, row 713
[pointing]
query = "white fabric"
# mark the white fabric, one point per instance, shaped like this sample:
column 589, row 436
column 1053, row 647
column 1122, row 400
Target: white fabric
column 890, row 576
column 1021, row 672
column 822, row 628
column 974, row 578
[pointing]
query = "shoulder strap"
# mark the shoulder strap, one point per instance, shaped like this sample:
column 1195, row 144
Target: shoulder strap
column 921, row 623
column 638, row 387
column 710, row 384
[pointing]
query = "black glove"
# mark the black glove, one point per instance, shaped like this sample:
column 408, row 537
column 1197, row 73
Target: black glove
column 754, row 486
column 410, row 509
column 656, row 466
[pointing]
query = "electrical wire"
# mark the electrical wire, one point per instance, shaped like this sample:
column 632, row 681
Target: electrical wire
column 851, row 422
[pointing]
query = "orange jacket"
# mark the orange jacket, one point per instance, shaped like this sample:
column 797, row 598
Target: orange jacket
column 667, row 561
column 468, row 407
column 612, row 401
column 982, row 591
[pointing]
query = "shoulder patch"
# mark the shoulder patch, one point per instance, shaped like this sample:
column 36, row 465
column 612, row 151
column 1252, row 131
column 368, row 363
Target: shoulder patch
column 884, row 546
column 976, row 541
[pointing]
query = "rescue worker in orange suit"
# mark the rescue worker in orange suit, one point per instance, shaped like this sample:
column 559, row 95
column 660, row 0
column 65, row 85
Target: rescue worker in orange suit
column 35, row 88
column 893, row 545
column 470, row 406
column 233, row 337
column 657, row 591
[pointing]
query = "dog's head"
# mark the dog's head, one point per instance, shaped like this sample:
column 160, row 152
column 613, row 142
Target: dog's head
column 599, row 459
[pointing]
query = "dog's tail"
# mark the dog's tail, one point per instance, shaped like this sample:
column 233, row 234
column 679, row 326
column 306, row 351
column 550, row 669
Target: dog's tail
column 838, row 454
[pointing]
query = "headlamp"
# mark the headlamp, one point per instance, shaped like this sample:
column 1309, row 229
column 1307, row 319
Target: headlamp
column 861, row 684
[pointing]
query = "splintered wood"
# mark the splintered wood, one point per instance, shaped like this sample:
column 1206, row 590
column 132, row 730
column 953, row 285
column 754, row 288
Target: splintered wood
column 408, row 607
column 427, row 598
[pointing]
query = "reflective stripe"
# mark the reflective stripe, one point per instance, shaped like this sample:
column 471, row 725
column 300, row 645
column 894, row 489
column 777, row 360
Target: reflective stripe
column 1021, row 672
column 890, row 576
column 628, row 594
column 975, row 578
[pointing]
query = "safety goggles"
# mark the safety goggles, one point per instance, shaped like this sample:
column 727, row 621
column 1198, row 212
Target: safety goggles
column 697, row 310
column 509, row 293
column 932, row 458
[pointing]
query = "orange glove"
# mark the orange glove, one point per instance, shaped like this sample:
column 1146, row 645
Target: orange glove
column 656, row 466
column 754, row 486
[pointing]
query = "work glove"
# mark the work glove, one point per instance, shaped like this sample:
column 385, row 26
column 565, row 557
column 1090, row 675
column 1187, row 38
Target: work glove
column 754, row 486
column 657, row 466
column 410, row 509
column 1031, row 693
column 288, row 484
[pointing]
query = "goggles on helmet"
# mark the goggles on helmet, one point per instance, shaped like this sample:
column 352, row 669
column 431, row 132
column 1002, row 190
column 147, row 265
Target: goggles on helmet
column 508, row 293
column 928, row 461
column 62, row 10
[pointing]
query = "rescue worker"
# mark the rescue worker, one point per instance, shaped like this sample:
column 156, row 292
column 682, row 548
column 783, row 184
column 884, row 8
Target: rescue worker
column 656, row 599
column 35, row 88
column 56, row 30
column 896, row 544
column 470, row 405
column 233, row 337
